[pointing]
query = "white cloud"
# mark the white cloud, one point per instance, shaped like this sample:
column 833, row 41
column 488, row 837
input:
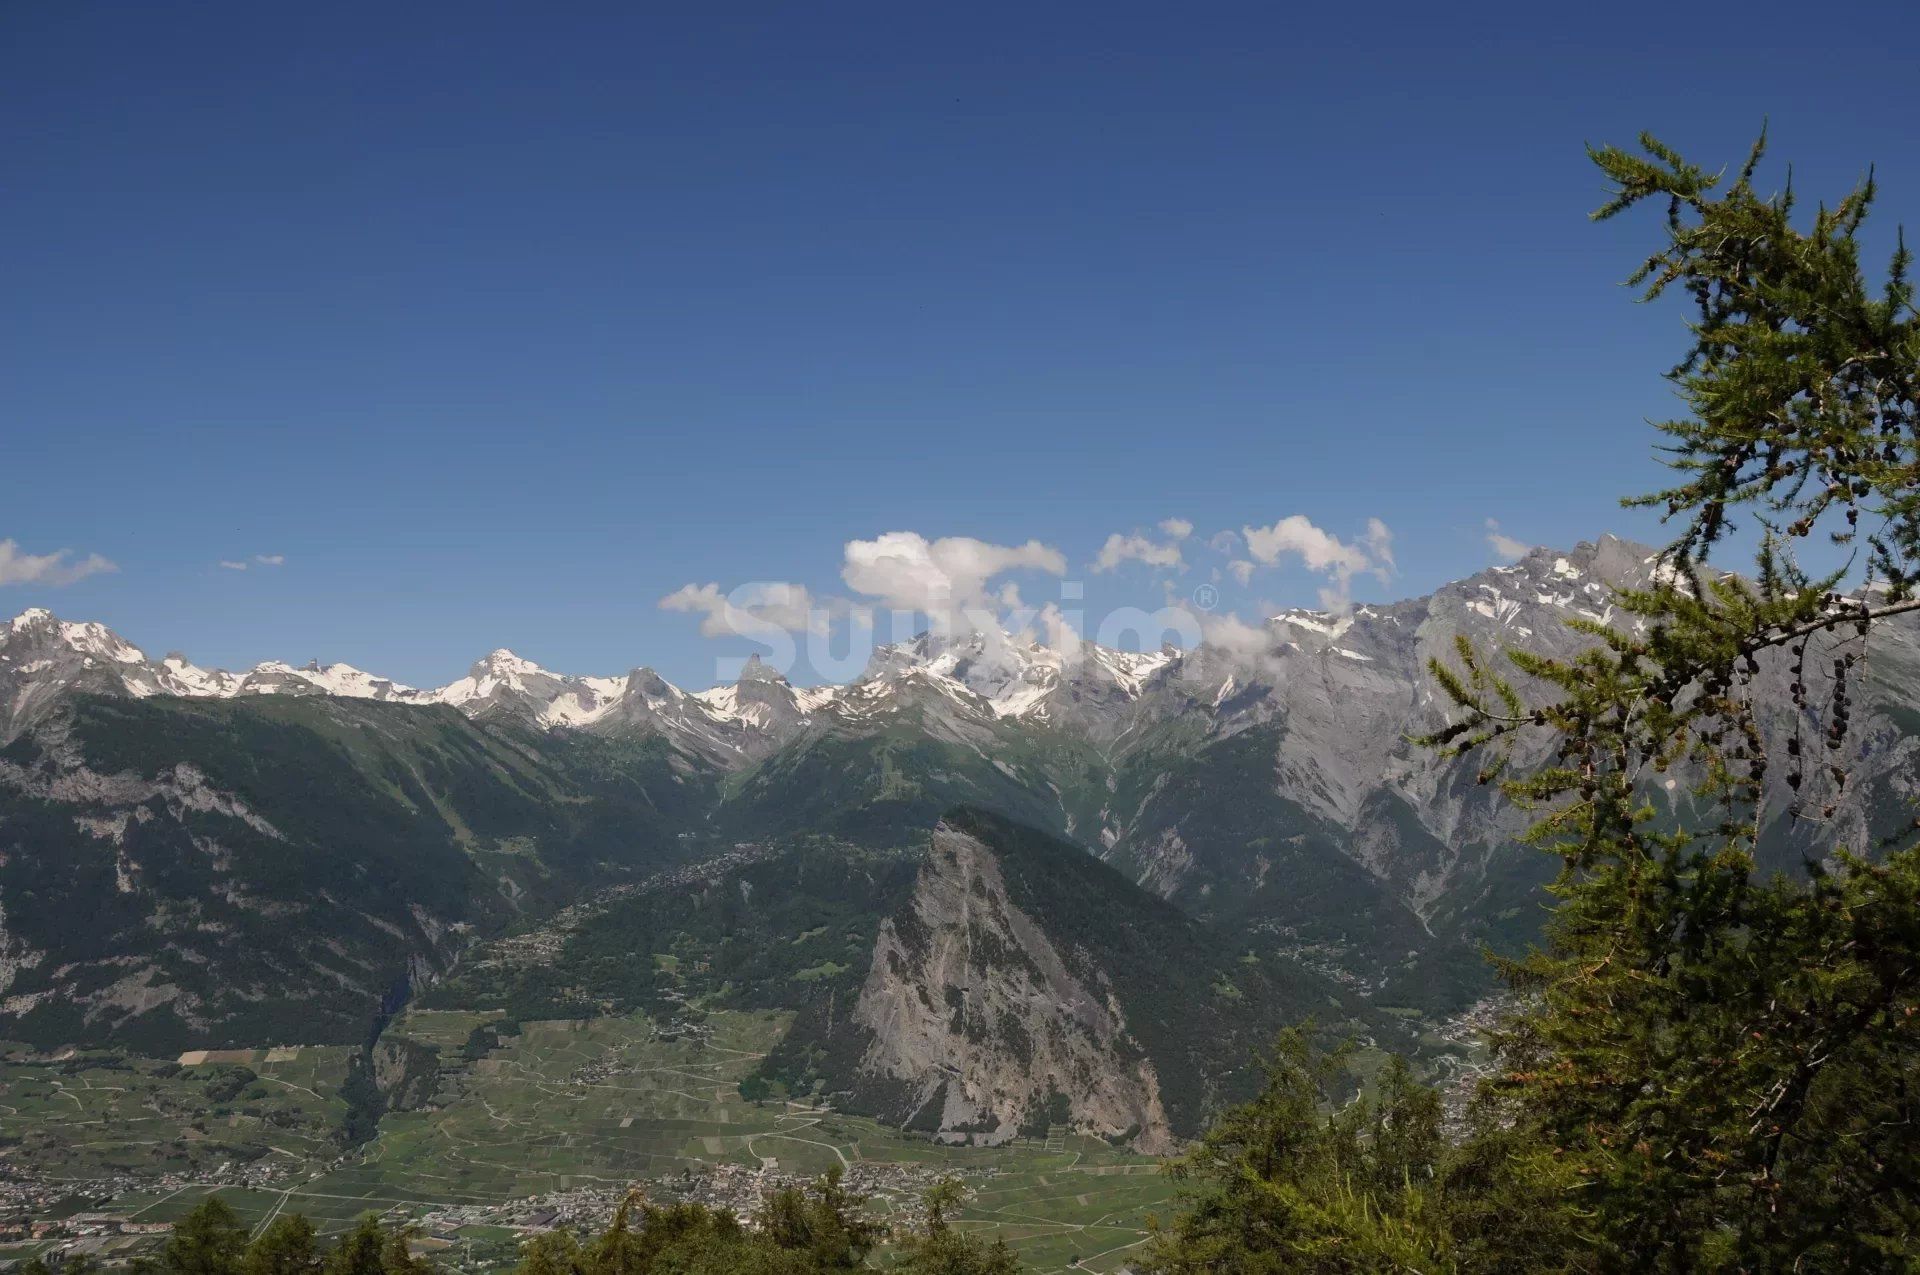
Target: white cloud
column 1049, row 626
column 751, row 609
column 1119, row 549
column 263, row 559
column 1227, row 542
column 1242, row 570
column 1379, row 542
column 1231, row 634
column 1322, row 551
column 1505, row 547
column 55, row 569
column 1178, row 528
column 907, row 572
column 1060, row 633
column 1296, row 534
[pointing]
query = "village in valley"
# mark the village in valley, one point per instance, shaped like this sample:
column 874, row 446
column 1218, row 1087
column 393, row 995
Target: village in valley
column 100, row 1153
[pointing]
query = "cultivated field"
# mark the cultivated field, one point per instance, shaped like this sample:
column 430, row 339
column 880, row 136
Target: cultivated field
column 596, row 1105
column 96, row 1115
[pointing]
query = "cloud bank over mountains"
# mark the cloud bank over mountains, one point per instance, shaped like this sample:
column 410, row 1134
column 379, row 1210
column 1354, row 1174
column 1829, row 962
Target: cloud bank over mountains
column 961, row 583
column 1295, row 536
column 904, row 571
column 750, row 609
column 1505, row 547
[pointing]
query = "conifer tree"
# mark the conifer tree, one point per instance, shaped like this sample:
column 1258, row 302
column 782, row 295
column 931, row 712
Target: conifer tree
column 361, row 1251
column 942, row 1249
column 825, row 1225
column 551, row 1253
column 285, row 1247
column 1287, row 1184
column 207, row 1241
column 1715, row 1066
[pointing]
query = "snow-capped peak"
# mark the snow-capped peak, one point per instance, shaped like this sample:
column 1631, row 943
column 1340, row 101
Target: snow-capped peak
column 345, row 679
column 179, row 676
column 88, row 639
column 982, row 673
column 504, row 663
column 758, row 670
column 1016, row 676
column 1326, row 624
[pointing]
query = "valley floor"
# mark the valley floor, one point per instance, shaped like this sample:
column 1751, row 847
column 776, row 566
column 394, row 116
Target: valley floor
column 551, row 1127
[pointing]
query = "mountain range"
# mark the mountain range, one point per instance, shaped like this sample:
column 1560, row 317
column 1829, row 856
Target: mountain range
column 187, row 853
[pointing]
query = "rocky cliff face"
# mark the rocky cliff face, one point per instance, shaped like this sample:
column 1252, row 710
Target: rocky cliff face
column 405, row 1073
column 1018, row 983
column 977, row 1020
column 1271, row 782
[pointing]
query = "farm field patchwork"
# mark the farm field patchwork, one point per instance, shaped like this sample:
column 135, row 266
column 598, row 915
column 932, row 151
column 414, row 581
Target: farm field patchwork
column 99, row 1115
column 573, row 1109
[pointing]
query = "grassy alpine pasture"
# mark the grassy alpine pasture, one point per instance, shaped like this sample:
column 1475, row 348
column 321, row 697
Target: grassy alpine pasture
column 607, row 1102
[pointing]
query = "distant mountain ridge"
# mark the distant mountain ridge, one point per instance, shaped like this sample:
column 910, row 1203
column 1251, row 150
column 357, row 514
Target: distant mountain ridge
column 1082, row 687
column 1263, row 783
column 42, row 657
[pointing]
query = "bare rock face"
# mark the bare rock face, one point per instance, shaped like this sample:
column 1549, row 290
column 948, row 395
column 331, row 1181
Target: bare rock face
column 978, row 1019
column 406, row 1073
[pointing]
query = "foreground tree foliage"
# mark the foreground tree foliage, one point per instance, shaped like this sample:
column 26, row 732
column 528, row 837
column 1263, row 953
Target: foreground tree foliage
column 798, row 1233
column 1278, row 1186
column 1712, row 1067
column 1715, row 1067
column 942, row 1250
column 813, row 1232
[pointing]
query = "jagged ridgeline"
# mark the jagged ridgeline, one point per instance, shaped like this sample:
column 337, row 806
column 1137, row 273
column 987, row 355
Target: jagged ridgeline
column 193, row 858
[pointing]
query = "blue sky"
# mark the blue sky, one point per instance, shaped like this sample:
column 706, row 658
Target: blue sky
column 499, row 324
